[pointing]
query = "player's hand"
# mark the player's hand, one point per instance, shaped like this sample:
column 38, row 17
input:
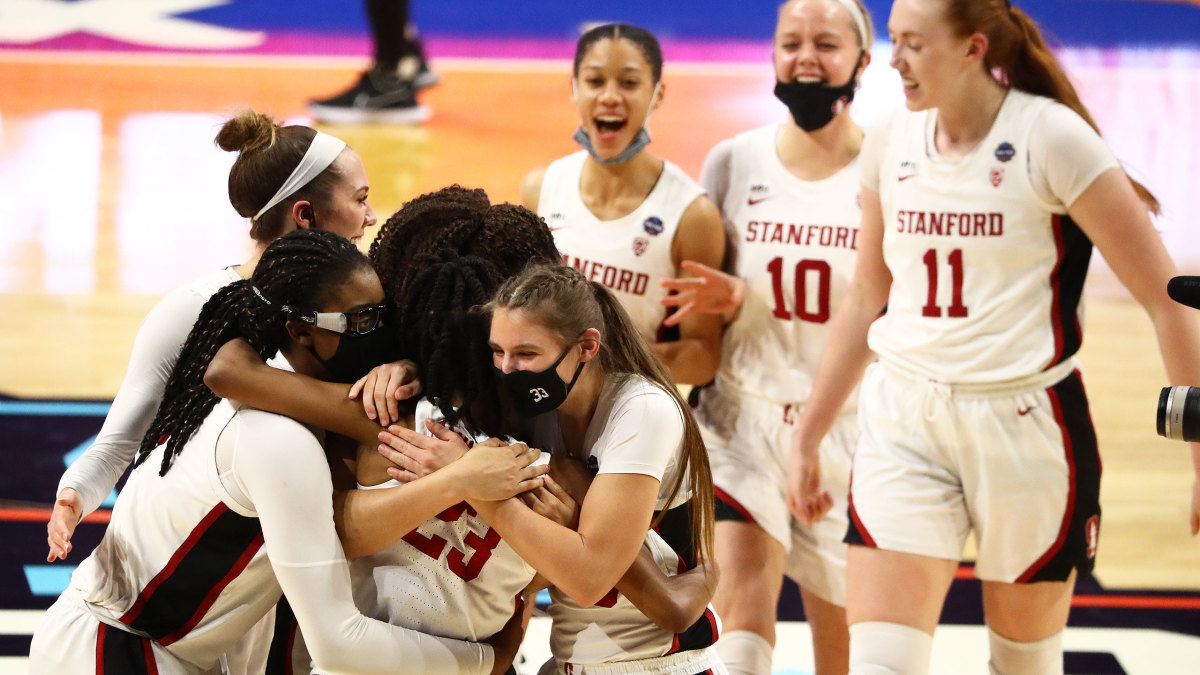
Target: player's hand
column 383, row 387
column 571, row 475
column 415, row 454
column 494, row 471
column 552, row 501
column 708, row 291
column 66, row 514
column 806, row 500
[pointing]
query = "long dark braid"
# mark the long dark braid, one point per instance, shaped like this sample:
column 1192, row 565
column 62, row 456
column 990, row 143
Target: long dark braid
column 300, row 269
column 447, row 337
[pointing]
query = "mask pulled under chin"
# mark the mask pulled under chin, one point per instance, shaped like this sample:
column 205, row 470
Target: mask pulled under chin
column 538, row 392
column 814, row 105
column 356, row 355
column 639, row 142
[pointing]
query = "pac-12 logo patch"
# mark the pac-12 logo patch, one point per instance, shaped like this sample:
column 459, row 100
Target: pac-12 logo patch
column 1093, row 535
column 1005, row 151
column 653, row 225
column 996, row 175
column 640, row 244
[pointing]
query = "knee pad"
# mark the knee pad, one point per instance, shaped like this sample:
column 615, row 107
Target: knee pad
column 1009, row 657
column 745, row 653
column 882, row 648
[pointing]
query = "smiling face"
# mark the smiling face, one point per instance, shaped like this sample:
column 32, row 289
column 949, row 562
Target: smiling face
column 347, row 213
column 931, row 60
column 815, row 41
column 614, row 93
column 519, row 342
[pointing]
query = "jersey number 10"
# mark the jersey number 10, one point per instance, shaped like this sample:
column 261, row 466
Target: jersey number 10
column 819, row 269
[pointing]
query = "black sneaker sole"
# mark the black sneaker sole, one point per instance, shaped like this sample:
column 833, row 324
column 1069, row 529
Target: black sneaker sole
column 347, row 115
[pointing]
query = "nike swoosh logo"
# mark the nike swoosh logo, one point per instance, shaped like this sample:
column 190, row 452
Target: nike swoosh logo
column 1024, row 411
column 752, row 201
column 903, row 178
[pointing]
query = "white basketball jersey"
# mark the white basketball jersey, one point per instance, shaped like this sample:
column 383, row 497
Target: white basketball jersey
column 629, row 255
column 796, row 244
column 181, row 561
column 613, row 630
column 453, row 576
column 987, row 277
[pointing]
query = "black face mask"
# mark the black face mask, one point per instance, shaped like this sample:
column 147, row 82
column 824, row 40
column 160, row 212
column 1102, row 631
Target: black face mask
column 814, row 105
column 356, row 355
column 536, row 392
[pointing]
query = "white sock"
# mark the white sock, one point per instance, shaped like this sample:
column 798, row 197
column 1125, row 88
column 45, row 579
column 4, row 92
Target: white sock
column 1009, row 657
column 882, row 648
column 745, row 653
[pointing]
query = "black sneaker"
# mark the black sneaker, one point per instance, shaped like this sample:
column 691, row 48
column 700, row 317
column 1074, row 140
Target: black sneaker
column 374, row 98
column 415, row 69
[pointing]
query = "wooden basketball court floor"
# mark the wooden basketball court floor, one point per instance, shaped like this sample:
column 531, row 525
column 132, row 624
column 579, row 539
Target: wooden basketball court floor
column 112, row 192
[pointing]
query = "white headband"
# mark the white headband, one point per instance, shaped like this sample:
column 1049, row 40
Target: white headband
column 860, row 21
column 320, row 154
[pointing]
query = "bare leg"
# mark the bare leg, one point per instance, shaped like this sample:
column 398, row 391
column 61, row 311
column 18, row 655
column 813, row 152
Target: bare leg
column 831, row 639
column 751, row 563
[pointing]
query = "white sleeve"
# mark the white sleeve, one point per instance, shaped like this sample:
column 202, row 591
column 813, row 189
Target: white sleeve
column 715, row 174
column 1065, row 156
column 870, row 157
column 643, row 435
column 282, row 469
column 155, row 350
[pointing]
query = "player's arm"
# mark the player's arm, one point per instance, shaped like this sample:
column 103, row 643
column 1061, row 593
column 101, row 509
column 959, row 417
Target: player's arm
column 673, row 603
column 700, row 237
column 531, row 188
column 845, row 358
column 237, row 372
column 282, row 469
column 91, row 478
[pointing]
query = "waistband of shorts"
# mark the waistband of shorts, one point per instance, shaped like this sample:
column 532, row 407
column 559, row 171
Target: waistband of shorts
column 694, row 661
column 728, row 389
column 1034, row 382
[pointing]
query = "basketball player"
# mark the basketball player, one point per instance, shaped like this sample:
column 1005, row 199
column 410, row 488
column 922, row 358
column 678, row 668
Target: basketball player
column 982, row 199
column 284, row 178
column 242, row 499
column 624, row 217
column 789, row 193
column 572, row 362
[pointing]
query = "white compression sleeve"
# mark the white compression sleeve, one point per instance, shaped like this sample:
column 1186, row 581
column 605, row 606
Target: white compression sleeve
column 881, row 648
column 282, row 469
column 1009, row 657
column 155, row 350
column 745, row 653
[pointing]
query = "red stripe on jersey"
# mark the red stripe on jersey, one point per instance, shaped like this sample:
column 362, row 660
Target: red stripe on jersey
column 173, row 563
column 1069, row 451
column 148, row 652
column 734, row 504
column 215, row 591
column 100, row 648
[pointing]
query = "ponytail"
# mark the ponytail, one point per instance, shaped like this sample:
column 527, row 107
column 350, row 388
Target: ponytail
column 1018, row 55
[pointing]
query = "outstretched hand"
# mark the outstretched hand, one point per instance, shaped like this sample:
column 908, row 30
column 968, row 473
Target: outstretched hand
column 384, row 386
column 64, row 517
column 708, row 291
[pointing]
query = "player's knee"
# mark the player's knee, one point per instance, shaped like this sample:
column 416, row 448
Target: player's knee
column 745, row 653
column 1009, row 657
column 882, row 648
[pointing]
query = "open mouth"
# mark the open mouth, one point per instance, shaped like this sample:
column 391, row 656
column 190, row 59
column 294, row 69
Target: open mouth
column 610, row 125
column 809, row 79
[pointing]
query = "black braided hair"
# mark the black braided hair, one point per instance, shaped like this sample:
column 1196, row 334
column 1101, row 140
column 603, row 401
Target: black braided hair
column 301, row 269
column 447, row 337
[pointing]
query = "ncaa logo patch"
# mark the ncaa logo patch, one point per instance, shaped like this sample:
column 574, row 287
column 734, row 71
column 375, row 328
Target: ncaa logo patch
column 653, row 225
column 996, row 175
column 1005, row 151
column 640, row 244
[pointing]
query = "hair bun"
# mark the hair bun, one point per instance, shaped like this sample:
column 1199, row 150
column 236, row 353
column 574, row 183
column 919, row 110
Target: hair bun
column 247, row 131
